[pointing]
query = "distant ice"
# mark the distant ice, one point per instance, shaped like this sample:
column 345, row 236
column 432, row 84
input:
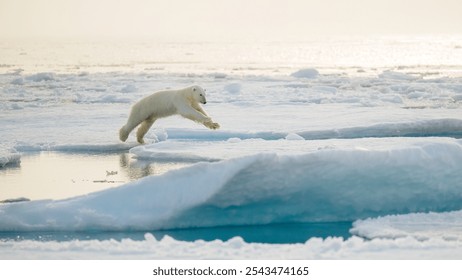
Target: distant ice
column 233, row 87
column 9, row 156
column 218, row 75
column 112, row 98
column 324, row 89
column 18, row 81
column 308, row 73
column 40, row 77
column 393, row 75
column 129, row 88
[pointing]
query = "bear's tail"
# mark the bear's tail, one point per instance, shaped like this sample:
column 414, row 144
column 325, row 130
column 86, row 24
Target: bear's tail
column 123, row 134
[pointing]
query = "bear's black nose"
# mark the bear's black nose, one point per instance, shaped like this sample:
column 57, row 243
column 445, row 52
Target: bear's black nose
column 205, row 102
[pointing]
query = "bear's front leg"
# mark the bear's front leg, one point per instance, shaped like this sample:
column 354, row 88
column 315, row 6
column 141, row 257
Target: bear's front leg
column 212, row 125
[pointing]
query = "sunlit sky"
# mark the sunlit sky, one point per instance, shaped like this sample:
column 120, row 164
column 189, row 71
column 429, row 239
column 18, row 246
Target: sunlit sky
column 271, row 20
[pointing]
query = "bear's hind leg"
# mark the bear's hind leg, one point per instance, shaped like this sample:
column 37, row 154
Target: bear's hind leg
column 126, row 129
column 123, row 134
column 143, row 129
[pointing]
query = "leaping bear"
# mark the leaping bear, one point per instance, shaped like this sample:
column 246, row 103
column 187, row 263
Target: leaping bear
column 161, row 104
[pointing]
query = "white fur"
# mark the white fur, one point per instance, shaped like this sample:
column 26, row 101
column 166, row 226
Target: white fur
column 184, row 102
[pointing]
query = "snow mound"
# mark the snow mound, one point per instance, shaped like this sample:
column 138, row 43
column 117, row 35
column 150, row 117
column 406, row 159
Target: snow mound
column 233, row 88
column 294, row 136
column 319, row 186
column 40, row 77
column 234, row 140
column 421, row 226
column 309, row 73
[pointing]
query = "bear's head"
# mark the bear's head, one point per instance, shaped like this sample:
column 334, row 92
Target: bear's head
column 198, row 94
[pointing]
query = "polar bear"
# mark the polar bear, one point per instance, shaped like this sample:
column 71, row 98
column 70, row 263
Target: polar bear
column 161, row 104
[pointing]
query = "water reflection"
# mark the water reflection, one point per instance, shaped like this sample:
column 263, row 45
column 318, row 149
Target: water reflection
column 135, row 169
column 57, row 175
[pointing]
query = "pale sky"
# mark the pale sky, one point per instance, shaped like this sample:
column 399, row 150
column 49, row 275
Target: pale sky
column 210, row 20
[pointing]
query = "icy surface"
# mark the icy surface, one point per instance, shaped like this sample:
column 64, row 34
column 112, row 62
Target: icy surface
column 421, row 226
column 9, row 156
column 308, row 73
column 366, row 130
column 180, row 150
column 315, row 186
column 236, row 248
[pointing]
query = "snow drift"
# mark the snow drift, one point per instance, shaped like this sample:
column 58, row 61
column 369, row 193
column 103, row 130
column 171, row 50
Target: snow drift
column 421, row 226
column 168, row 248
column 424, row 128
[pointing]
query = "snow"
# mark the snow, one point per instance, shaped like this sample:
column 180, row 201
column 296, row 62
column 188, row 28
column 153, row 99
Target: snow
column 308, row 73
column 235, row 248
column 214, row 150
column 129, row 88
column 40, row 77
column 18, row 81
column 424, row 128
column 374, row 141
column 233, row 88
column 9, row 156
column 294, row 136
column 420, row 226
column 393, row 75
column 263, row 188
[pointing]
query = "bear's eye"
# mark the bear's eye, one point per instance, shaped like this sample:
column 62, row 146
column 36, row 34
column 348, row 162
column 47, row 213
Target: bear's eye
column 200, row 94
